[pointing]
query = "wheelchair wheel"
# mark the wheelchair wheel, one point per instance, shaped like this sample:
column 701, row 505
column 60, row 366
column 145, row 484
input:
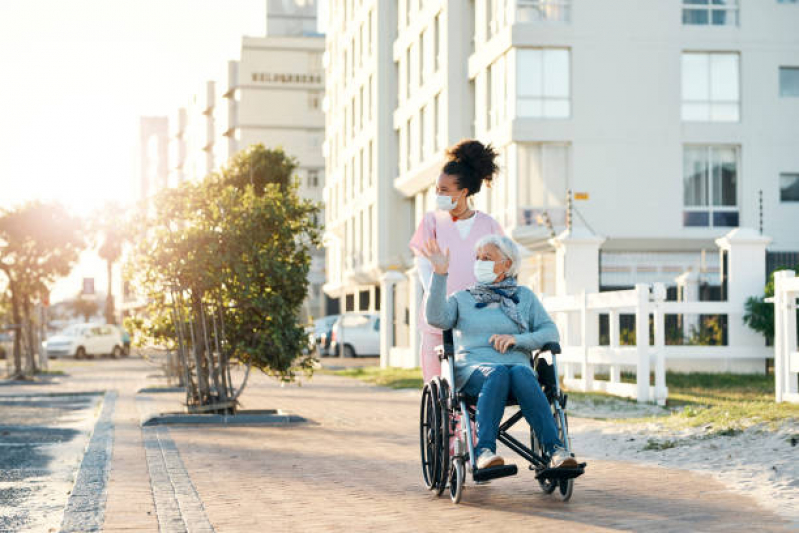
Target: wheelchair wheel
column 442, row 457
column 565, row 489
column 456, row 480
column 429, row 434
column 548, row 486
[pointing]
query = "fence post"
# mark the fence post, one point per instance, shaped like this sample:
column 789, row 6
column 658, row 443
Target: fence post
column 784, row 335
column 588, row 368
column 779, row 325
column 790, row 347
column 659, row 292
column 613, row 333
column 642, row 341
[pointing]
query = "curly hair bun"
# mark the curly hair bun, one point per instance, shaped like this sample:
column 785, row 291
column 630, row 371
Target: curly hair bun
column 472, row 162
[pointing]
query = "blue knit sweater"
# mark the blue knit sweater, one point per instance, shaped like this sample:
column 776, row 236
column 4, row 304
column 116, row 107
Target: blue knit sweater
column 474, row 326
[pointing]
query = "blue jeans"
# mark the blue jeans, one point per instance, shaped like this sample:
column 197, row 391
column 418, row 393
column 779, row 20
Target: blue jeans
column 491, row 384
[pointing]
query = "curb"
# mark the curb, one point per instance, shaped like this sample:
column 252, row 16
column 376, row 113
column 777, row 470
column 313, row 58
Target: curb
column 279, row 418
column 85, row 510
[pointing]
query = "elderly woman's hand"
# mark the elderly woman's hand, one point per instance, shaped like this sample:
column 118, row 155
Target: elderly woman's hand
column 502, row 343
column 439, row 259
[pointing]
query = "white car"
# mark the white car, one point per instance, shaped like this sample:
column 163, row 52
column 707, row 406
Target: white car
column 82, row 340
column 356, row 334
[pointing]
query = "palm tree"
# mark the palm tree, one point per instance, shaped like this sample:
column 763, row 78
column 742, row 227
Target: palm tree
column 111, row 223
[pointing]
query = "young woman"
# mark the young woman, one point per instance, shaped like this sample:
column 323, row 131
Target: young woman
column 455, row 227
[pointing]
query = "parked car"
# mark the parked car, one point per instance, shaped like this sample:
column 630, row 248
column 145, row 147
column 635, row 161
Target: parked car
column 356, row 334
column 82, row 340
column 125, row 340
column 322, row 328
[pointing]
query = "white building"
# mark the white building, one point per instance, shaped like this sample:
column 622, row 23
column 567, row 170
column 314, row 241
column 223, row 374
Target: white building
column 673, row 123
column 368, row 223
column 271, row 95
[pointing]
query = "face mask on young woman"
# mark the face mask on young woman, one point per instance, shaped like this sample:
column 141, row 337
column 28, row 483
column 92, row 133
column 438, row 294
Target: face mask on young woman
column 484, row 271
column 446, row 203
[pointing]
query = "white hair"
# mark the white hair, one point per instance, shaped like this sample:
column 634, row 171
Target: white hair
column 506, row 247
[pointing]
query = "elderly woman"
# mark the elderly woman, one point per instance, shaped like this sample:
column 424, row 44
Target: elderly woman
column 497, row 323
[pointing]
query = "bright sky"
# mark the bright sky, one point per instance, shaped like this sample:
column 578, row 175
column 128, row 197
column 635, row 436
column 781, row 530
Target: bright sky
column 76, row 75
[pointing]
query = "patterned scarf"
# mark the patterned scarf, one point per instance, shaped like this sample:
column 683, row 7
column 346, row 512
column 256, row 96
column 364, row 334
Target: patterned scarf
column 503, row 292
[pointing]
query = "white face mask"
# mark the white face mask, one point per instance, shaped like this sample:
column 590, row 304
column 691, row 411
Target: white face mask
column 484, row 271
column 445, row 203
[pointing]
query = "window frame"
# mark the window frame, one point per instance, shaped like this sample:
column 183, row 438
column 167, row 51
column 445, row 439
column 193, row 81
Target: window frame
column 711, row 8
column 521, row 96
column 541, row 6
column 794, row 175
column 710, row 102
column 709, row 207
column 783, row 68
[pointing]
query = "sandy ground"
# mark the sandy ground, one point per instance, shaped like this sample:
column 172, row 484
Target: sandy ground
column 760, row 462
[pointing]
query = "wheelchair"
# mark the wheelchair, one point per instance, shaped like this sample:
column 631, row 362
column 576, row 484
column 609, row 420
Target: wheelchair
column 442, row 407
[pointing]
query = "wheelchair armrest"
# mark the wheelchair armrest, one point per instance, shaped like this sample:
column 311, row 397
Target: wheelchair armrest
column 551, row 347
column 443, row 351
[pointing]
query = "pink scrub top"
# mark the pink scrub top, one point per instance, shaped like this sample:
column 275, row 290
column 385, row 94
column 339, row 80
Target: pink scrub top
column 439, row 225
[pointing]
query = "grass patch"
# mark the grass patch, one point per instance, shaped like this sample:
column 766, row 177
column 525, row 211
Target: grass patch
column 50, row 373
column 725, row 404
column 394, row 378
column 660, row 445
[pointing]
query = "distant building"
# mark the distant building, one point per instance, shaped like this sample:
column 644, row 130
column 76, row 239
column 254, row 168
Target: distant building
column 271, row 95
column 153, row 155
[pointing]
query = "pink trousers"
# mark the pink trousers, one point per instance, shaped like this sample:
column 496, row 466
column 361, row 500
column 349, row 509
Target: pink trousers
column 431, row 367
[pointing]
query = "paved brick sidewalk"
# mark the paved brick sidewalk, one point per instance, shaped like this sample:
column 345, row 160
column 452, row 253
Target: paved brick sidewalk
column 356, row 468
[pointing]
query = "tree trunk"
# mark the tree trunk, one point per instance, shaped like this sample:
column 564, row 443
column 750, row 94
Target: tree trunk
column 15, row 315
column 110, row 315
column 31, row 342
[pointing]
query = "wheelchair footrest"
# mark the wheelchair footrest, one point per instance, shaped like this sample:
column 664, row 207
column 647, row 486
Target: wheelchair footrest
column 494, row 472
column 562, row 473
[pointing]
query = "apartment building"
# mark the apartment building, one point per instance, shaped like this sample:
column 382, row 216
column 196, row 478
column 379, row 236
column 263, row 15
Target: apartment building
column 672, row 122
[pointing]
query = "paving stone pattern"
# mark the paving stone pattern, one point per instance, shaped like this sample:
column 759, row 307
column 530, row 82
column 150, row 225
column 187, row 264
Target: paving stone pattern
column 177, row 503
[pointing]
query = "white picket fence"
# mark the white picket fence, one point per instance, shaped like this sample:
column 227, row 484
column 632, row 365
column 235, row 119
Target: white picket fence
column 786, row 355
column 576, row 316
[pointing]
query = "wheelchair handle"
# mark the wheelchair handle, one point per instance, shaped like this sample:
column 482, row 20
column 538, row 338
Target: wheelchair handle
column 552, row 347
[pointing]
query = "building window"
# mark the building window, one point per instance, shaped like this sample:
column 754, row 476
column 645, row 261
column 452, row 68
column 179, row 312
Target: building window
column 543, row 83
column 789, row 187
column 710, row 186
column 497, row 111
column 497, row 15
column 408, row 73
column 710, row 12
column 425, row 55
column 789, row 82
column 543, row 10
column 313, row 178
column 369, row 164
column 545, row 171
column 710, row 87
column 414, row 139
column 437, row 38
column 424, row 136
